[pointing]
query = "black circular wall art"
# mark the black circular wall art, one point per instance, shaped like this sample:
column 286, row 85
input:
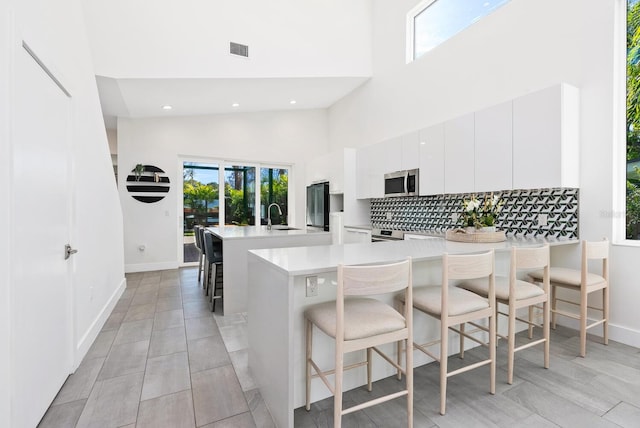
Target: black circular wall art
column 149, row 185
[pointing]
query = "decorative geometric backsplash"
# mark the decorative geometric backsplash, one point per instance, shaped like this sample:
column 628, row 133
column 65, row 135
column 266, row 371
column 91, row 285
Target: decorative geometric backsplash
column 518, row 217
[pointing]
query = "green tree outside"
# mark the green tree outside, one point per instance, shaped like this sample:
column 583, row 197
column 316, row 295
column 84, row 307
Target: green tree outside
column 633, row 117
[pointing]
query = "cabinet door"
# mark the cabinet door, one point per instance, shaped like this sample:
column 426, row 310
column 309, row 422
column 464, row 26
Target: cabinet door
column 370, row 167
column 335, row 167
column 432, row 160
column 356, row 236
column 459, row 155
column 411, row 150
column 545, row 138
column 493, row 148
column 537, row 139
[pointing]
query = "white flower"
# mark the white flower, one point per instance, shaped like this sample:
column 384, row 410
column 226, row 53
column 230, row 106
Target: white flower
column 472, row 205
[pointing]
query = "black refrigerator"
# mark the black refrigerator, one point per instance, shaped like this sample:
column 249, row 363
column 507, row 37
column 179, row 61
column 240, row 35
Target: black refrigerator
column 318, row 206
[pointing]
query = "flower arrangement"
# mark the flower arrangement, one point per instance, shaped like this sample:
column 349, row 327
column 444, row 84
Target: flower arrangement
column 480, row 214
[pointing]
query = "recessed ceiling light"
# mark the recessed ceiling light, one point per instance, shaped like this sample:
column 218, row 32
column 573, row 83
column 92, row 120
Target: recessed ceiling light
column 292, row 102
column 235, row 105
column 423, row 143
column 167, row 107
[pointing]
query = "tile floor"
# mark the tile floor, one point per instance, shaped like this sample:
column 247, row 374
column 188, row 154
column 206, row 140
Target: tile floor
column 163, row 360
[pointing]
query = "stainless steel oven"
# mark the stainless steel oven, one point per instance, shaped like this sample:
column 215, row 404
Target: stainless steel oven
column 401, row 183
column 382, row 235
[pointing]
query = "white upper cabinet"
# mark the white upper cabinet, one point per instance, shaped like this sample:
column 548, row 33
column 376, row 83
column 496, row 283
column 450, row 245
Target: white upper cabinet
column 411, row 150
column 390, row 152
column 546, row 138
column 530, row 142
column 432, row 160
column 459, row 154
column 493, row 148
column 329, row 167
column 372, row 163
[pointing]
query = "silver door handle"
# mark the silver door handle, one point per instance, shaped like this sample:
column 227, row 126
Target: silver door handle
column 68, row 251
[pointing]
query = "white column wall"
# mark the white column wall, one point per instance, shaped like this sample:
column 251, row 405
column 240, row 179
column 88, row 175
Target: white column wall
column 56, row 27
column 272, row 137
column 521, row 47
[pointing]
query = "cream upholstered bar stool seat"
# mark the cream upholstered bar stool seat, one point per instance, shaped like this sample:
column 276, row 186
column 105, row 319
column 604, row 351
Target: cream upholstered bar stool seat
column 455, row 307
column 584, row 282
column 362, row 323
column 519, row 294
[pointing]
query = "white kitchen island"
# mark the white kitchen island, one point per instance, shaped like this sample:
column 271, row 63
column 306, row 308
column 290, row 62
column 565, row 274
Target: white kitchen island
column 238, row 240
column 277, row 300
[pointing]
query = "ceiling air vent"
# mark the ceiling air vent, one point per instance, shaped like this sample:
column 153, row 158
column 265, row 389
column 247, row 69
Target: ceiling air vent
column 238, row 49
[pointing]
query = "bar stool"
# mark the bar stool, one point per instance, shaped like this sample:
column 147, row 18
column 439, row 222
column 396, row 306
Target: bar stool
column 520, row 294
column 456, row 306
column 198, row 243
column 213, row 253
column 584, row 282
column 361, row 323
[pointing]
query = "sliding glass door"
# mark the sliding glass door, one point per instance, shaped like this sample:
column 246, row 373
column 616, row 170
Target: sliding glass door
column 201, row 203
column 247, row 192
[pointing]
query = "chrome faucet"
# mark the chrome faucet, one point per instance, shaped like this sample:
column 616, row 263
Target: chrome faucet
column 269, row 214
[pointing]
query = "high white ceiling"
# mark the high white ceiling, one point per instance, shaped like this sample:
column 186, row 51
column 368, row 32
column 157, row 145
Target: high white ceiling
column 145, row 97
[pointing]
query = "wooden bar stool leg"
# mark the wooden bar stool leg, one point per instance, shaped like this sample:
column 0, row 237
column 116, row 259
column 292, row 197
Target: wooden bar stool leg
column 409, row 370
column 546, row 332
column 530, row 321
column 554, row 306
column 462, row 340
column 444, row 346
column 605, row 314
column 512, row 345
column 309, row 337
column 492, row 351
column 583, row 322
column 337, row 397
column 369, row 386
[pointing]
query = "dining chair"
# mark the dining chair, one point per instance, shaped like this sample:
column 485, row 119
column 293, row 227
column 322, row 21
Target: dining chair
column 584, row 282
column 358, row 323
column 517, row 294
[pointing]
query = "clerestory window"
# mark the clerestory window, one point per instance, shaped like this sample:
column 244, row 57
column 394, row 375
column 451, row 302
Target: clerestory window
column 433, row 22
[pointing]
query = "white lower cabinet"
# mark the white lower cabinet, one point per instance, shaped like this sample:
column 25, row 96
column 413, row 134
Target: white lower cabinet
column 356, row 236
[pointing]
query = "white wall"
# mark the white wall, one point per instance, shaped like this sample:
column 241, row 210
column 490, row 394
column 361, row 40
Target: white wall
column 190, row 38
column 57, row 28
column 274, row 137
column 521, row 47
column 5, row 154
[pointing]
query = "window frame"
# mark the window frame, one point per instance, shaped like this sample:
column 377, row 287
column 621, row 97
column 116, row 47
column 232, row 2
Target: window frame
column 619, row 212
column 411, row 28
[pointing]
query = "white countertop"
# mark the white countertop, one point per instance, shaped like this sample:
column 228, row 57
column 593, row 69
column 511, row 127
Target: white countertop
column 325, row 258
column 244, row 232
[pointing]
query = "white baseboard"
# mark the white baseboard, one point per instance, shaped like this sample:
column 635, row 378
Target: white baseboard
column 147, row 267
column 625, row 335
column 90, row 336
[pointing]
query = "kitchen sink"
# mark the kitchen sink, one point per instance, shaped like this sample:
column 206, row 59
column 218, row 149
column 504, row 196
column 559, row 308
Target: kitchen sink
column 283, row 227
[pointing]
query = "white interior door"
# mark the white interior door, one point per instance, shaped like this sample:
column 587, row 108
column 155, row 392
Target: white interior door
column 42, row 344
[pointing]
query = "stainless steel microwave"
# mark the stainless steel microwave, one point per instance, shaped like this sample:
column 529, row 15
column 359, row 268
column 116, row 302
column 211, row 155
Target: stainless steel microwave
column 401, row 183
